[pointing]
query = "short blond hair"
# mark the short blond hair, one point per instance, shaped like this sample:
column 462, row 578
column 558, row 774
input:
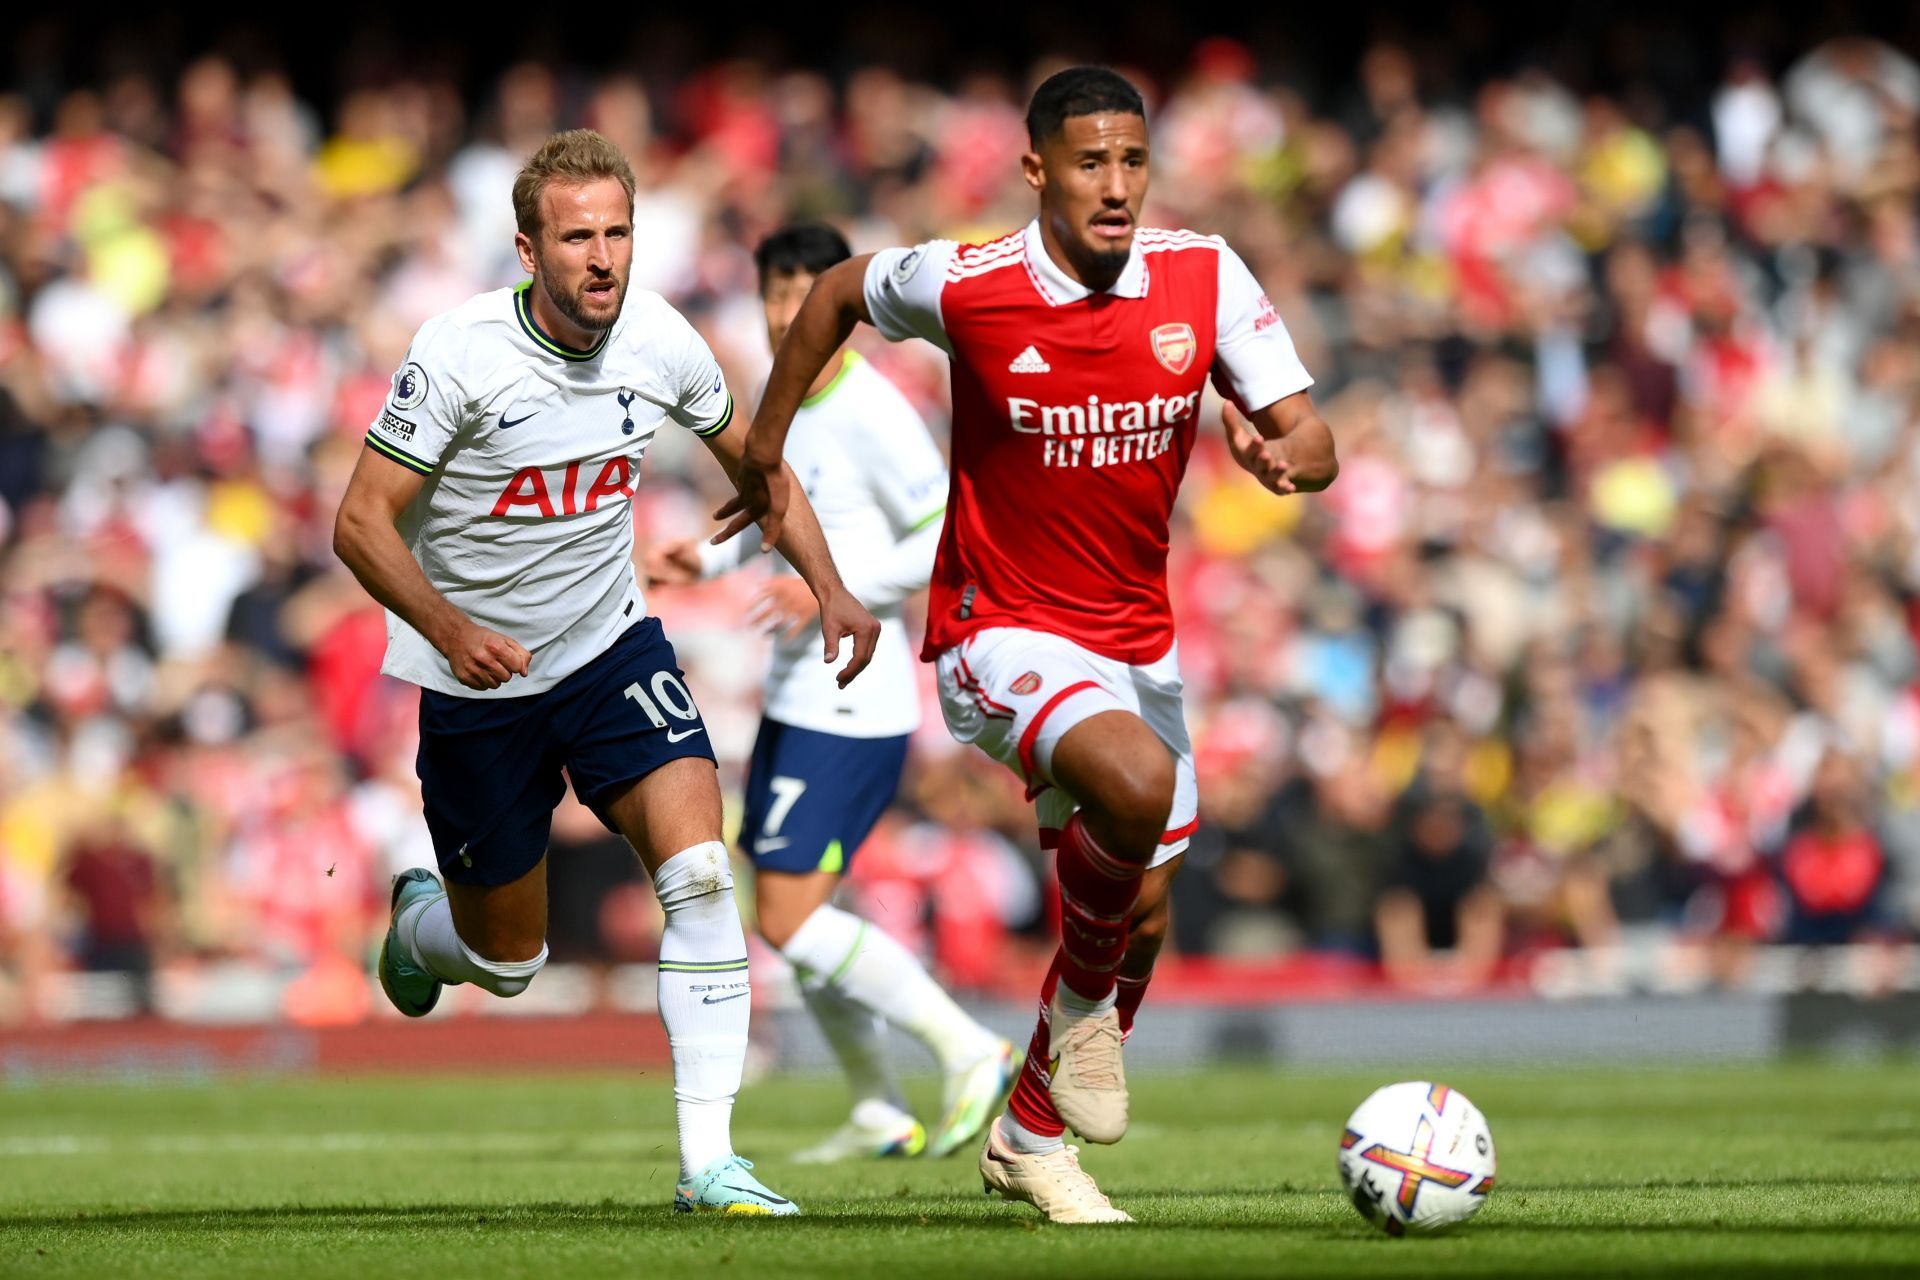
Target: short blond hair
column 578, row 155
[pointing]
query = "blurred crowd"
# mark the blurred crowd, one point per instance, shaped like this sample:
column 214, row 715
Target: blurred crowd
column 1606, row 632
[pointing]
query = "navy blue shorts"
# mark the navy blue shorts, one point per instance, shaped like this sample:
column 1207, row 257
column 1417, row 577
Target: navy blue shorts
column 812, row 797
column 490, row 768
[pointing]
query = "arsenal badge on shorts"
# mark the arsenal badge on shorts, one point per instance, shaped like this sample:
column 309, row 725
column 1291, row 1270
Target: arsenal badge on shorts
column 1026, row 684
column 1173, row 346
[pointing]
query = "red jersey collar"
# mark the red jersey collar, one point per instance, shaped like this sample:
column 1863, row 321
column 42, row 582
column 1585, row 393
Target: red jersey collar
column 1058, row 288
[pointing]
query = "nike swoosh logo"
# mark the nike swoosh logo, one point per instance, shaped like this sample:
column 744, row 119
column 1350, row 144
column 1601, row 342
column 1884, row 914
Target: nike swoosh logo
column 722, row 999
column 770, row 844
column 683, row 734
column 757, row 1195
column 506, row 422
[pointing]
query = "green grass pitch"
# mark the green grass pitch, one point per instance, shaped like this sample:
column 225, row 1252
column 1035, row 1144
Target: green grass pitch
column 1798, row 1170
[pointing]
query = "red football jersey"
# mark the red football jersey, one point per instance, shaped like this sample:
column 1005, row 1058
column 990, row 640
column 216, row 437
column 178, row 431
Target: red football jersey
column 1074, row 414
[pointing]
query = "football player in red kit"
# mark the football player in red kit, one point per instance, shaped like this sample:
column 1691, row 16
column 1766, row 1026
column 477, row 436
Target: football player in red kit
column 1080, row 346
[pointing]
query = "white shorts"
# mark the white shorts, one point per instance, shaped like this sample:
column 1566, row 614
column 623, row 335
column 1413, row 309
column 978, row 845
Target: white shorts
column 1014, row 694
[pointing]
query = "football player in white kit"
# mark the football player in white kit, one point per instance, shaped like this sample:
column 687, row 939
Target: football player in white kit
column 490, row 513
column 827, row 761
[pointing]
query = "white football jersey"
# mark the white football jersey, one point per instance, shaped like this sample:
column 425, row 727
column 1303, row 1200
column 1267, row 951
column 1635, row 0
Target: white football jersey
column 530, row 449
column 879, row 488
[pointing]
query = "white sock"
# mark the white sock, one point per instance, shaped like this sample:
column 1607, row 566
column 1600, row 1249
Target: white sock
column 704, row 996
column 859, row 1040
column 838, row 949
column 1073, row 1005
column 1026, row 1141
column 427, row 932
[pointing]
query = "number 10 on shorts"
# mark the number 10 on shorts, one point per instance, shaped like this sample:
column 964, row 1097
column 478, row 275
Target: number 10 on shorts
column 669, row 691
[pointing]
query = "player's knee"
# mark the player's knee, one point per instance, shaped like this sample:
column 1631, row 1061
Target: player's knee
column 1136, row 798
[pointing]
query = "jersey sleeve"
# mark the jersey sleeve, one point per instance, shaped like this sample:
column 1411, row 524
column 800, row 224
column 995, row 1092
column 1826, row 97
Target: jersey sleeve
column 903, row 288
column 905, row 473
column 908, row 482
column 424, row 410
column 698, row 396
column 1254, row 363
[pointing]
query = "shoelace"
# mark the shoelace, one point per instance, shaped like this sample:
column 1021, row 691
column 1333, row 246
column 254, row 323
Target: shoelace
column 1077, row 1182
column 1092, row 1061
column 725, row 1167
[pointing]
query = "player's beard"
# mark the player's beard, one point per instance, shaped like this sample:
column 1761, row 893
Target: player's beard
column 1110, row 262
column 1101, row 261
column 574, row 305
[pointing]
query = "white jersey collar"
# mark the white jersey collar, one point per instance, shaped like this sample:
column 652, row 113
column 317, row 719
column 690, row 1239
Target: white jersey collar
column 1058, row 288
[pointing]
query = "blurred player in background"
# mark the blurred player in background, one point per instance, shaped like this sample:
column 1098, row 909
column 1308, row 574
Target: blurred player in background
column 828, row 760
column 490, row 513
column 1080, row 347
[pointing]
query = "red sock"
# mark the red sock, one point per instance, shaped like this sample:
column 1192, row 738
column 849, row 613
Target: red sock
column 1032, row 1100
column 1128, row 994
column 1097, row 893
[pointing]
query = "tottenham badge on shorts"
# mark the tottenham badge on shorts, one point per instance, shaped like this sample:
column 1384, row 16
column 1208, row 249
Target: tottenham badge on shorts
column 1173, row 346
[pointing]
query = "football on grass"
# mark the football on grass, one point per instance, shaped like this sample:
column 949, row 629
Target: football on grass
column 1417, row 1157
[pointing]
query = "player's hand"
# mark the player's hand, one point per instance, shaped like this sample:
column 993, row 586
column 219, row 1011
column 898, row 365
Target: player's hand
column 1265, row 460
column 842, row 616
column 784, row 607
column 762, row 497
column 673, row 563
column 483, row 659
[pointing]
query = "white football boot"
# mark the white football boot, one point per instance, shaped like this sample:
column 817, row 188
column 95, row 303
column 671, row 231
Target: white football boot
column 1053, row 1183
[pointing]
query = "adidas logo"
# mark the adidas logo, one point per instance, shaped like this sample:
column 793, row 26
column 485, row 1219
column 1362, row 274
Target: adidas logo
column 1029, row 361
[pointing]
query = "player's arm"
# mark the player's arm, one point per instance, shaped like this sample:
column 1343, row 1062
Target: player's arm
column 805, row 547
column 679, row 562
column 1283, row 441
column 367, row 540
column 834, row 305
column 1286, row 445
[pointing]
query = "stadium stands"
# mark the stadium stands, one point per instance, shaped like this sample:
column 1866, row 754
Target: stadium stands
column 1605, row 645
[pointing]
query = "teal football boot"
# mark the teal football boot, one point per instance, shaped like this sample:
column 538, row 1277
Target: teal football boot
column 412, row 989
column 726, row 1186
